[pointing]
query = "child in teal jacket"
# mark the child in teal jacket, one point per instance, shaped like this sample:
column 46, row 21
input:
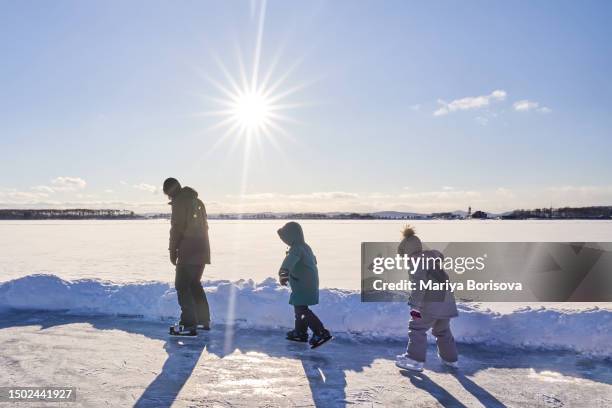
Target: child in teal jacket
column 299, row 269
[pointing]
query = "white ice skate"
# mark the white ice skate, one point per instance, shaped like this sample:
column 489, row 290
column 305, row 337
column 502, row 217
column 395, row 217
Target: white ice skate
column 181, row 330
column 406, row 363
column 450, row 364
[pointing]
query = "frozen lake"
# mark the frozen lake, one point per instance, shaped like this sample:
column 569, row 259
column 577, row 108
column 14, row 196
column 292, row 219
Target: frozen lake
column 127, row 251
column 134, row 251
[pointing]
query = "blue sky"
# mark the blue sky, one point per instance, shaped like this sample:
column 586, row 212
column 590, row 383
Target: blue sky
column 396, row 105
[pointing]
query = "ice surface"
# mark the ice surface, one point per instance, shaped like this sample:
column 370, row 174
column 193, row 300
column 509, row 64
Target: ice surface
column 265, row 305
column 124, row 362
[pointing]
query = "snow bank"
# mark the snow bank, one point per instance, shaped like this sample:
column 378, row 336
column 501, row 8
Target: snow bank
column 265, row 305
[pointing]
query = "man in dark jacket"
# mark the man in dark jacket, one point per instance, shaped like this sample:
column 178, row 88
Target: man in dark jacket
column 190, row 252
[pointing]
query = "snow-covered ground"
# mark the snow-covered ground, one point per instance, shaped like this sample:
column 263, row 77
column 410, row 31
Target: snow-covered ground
column 264, row 306
column 109, row 340
column 108, row 337
column 117, row 362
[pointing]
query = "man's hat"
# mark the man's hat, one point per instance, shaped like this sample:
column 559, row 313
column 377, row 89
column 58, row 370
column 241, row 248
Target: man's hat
column 171, row 186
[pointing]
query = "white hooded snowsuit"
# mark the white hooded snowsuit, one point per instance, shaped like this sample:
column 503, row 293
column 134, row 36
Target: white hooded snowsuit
column 436, row 308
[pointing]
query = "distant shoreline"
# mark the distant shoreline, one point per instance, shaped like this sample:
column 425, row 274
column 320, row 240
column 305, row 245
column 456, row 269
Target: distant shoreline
column 564, row 213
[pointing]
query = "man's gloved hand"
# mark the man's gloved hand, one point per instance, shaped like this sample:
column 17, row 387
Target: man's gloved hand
column 415, row 314
column 173, row 257
column 283, row 280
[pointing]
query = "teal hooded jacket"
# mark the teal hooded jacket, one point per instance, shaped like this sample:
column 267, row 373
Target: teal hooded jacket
column 300, row 265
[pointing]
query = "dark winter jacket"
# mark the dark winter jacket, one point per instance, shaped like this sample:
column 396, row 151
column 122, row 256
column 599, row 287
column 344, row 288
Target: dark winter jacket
column 300, row 265
column 189, row 228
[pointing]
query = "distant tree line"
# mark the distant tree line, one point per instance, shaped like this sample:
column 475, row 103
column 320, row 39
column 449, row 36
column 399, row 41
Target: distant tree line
column 591, row 213
column 587, row 213
column 70, row 214
column 295, row 216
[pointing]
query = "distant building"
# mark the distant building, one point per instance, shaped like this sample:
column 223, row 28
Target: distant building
column 480, row 215
column 445, row 216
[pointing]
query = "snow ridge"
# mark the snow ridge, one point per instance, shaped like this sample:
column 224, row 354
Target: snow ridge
column 265, row 305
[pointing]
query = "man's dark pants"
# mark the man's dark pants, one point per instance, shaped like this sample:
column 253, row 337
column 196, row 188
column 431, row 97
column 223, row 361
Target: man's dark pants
column 191, row 296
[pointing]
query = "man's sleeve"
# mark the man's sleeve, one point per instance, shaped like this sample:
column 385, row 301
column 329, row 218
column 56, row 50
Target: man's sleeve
column 204, row 215
column 292, row 258
column 178, row 223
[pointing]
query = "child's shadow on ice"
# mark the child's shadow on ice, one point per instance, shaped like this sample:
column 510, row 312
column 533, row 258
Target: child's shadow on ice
column 446, row 399
column 325, row 375
column 423, row 382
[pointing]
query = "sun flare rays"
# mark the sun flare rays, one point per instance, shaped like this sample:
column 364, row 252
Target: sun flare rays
column 250, row 103
column 251, row 108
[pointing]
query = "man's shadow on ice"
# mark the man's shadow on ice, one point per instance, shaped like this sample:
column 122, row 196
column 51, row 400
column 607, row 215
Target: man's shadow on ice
column 323, row 368
column 183, row 357
column 325, row 375
column 446, row 399
column 183, row 353
column 324, row 372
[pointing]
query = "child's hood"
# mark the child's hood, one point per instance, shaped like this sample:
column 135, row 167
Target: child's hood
column 291, row 233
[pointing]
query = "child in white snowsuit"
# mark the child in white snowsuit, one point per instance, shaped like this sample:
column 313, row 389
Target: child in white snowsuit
column 429, row 309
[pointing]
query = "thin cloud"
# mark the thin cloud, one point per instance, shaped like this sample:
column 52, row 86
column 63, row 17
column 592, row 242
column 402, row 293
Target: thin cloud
column 68, row 183
column 43, row 189
column 416, row 107
column 17, row 197
column 61, row 184
column 33, row 203
column 505, row 192
column 326, row 195
column 526, row 105
column 469, row 102
column 146, row 187
column 331, row 195
column 444, row 199
column 544, row 109
column 481, row 120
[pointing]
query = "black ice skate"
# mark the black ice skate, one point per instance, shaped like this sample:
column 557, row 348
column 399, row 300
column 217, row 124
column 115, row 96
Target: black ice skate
column 319, row 339
column 180, row 330
column 296, row 336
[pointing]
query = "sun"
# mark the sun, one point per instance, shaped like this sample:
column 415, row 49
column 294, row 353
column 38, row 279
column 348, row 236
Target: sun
column 252, row 110
column 253, row 104
column 251, row 101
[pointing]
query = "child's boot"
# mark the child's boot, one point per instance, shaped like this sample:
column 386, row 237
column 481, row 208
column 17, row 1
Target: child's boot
column 182, row 330
column 406, row 363
column 297, row 336
column 450, row 364
column 319, row 339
